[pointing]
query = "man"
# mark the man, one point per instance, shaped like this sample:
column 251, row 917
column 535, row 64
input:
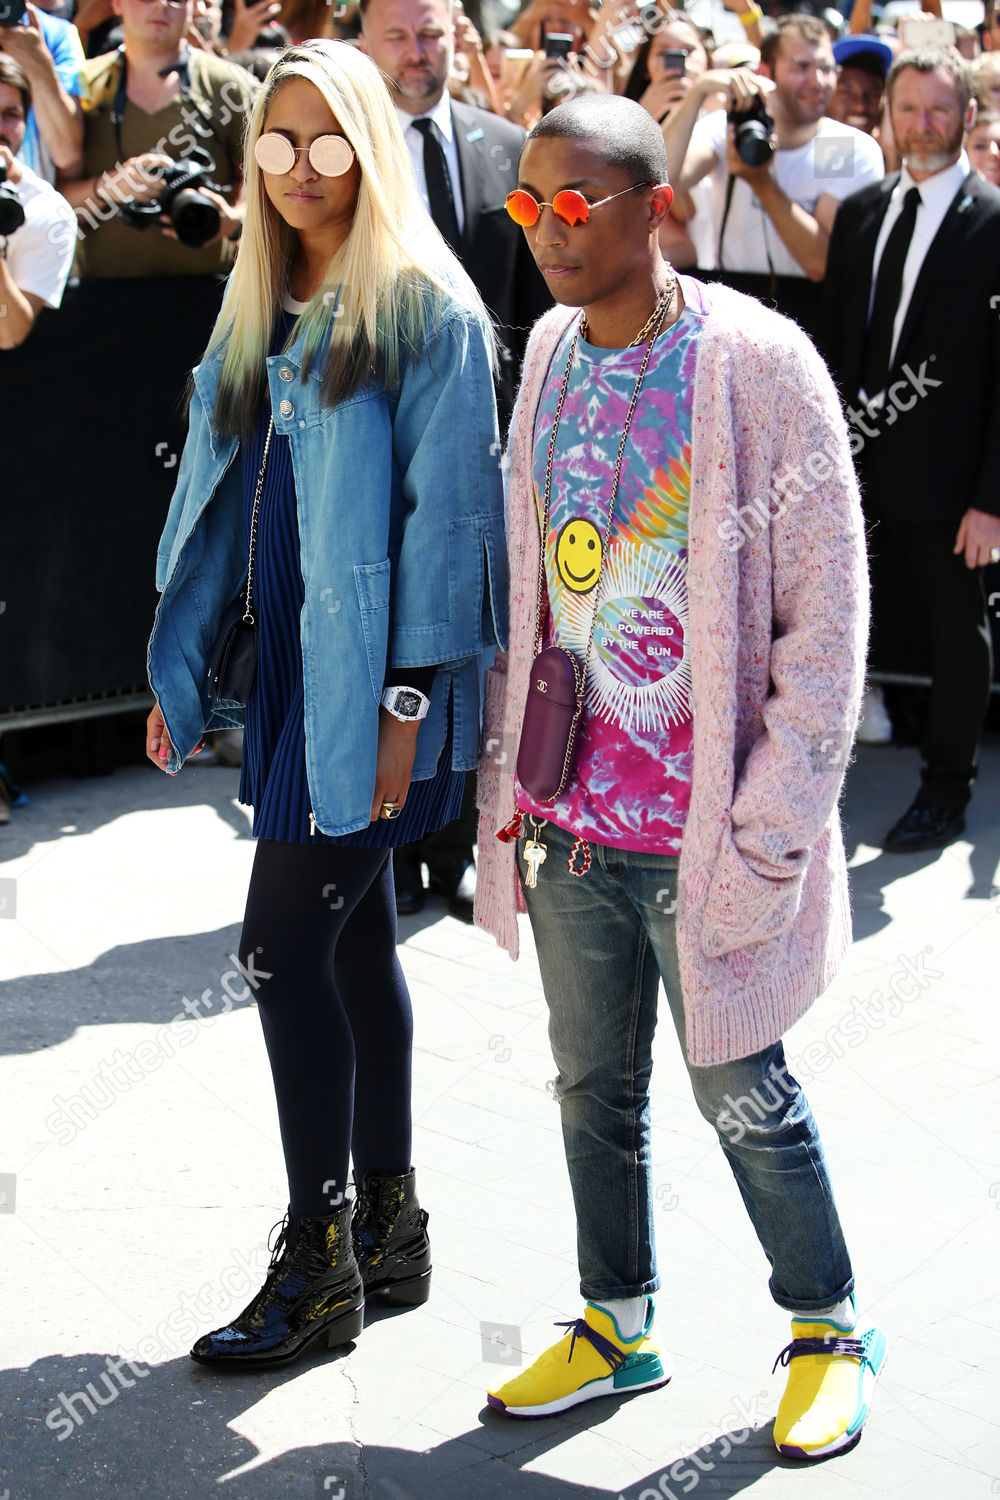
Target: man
column 153, row 101
column 36, row 257
column 465, row 160
column 862, row 63
column 771, row 222
column 913, row 292
column 48, row 49
column 722, row 693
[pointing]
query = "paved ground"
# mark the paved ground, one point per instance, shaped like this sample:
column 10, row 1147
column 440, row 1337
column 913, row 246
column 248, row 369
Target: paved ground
column 140, row 1176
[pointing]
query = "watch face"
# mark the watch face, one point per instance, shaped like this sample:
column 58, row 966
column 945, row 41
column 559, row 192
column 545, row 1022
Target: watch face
column 408, row 704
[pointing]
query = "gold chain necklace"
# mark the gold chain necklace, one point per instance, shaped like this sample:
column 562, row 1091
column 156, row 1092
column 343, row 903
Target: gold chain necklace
column 656, row 319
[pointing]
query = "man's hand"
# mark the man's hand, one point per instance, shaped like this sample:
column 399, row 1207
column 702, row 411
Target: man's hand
column 12, row 164
column 228, row 220
column 138, row 178
column 26, row 44
column 978, row 534
column 249, row 19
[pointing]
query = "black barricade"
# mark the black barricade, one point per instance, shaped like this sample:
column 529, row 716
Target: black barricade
column 93, row 426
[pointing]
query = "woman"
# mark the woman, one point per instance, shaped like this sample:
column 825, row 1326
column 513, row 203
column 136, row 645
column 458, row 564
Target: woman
column 658, row 84
column 350, row 373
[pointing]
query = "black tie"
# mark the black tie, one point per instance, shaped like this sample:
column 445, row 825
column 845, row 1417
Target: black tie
column 878, row 347
column 439, row 190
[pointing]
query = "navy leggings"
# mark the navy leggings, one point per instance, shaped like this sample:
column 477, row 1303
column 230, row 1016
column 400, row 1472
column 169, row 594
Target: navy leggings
column 321, row 924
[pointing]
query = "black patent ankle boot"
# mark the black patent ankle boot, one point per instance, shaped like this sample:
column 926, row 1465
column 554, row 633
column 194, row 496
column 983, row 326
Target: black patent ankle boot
column 313, row 1290
column 390, row 1239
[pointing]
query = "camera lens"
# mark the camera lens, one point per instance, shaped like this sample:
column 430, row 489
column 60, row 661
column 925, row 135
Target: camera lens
column 194, row 217
column 753, row 143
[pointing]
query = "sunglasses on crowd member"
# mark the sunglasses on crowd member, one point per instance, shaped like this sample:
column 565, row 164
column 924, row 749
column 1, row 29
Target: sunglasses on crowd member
column 329, row 155
column 568, row 205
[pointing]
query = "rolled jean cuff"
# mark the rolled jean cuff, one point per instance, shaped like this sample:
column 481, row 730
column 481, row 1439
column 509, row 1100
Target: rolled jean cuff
column 814, row 1304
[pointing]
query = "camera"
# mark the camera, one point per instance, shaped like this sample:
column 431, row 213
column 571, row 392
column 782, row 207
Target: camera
column 11, row 208
column 753, row 132
column 195, row 218
column 11, row 12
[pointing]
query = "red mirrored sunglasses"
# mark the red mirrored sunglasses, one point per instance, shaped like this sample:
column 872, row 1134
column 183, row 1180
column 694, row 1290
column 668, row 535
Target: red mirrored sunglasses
column 568, row 205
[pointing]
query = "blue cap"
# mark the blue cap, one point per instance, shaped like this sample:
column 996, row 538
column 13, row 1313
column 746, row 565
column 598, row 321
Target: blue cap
column 853, row 46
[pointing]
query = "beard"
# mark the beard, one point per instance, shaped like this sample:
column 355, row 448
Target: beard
column 418, row 85
column 930, row 156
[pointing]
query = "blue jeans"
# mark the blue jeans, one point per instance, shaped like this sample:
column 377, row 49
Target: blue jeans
column 604, row 940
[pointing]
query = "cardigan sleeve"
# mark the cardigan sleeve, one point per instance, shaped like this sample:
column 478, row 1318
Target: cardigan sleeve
column 791, row 780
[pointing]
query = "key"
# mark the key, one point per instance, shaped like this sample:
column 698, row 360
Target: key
column 535, row 855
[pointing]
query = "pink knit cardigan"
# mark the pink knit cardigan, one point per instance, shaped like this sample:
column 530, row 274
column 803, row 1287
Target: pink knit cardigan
column 778, row 614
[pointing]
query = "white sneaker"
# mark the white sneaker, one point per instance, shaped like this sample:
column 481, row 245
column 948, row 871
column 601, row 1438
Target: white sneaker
column 875, row 727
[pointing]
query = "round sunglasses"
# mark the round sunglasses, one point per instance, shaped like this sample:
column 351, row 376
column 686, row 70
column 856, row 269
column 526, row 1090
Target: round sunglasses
column 329, row 155
column 568, row 205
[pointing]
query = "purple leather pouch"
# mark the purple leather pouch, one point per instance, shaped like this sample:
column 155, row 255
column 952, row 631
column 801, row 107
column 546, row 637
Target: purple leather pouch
column 552, row 711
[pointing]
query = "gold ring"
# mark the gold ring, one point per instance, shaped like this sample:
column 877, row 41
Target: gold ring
column 391, row 810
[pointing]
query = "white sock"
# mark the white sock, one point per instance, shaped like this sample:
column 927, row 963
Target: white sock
column 629, row 1313
column 843, row 1313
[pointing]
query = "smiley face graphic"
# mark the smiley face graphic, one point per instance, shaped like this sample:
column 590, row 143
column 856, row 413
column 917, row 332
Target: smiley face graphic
column 578, row 554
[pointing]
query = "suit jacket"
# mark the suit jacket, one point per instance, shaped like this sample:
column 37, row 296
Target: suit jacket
column 494, row 251
column 935, row 449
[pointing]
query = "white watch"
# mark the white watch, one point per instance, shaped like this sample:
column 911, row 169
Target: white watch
column 405, row 704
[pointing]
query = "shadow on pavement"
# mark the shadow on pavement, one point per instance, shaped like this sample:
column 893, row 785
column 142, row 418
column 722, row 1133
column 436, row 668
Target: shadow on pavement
column 90, row 1425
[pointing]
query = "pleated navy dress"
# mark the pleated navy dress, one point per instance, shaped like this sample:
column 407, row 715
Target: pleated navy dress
column 273, row 778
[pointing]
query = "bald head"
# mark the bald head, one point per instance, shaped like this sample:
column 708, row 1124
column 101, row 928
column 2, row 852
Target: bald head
column 620, row 130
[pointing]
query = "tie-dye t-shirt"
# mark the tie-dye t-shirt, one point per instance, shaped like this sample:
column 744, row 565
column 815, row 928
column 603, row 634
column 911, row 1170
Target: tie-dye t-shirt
column 632, row 780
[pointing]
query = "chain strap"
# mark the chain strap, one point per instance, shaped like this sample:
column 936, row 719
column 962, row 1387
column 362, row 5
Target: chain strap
column 653, row 326
column 248, row 611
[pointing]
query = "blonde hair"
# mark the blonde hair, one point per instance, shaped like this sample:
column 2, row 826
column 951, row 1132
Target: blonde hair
column 384, row 288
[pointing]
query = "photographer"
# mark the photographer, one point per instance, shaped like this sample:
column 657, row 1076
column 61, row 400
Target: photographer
column 34, row 261
column 775, row 197
column 154, row 102
column 47, row 49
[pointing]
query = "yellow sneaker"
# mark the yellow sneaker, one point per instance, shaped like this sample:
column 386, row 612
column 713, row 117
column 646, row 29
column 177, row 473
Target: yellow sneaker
column 591, row 1360
column 832, row 1372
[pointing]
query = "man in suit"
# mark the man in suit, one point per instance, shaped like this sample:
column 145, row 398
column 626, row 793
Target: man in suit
column 913, row 336
column 465, row 160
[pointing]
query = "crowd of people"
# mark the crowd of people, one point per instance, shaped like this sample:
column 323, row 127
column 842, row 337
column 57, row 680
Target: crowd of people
column 440, row 228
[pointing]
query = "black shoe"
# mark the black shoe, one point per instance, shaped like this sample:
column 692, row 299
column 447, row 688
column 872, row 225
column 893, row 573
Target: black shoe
column 409, row 882
column 313, row 1291
column 924, row 826
column 390, row 1239
column 455, row 880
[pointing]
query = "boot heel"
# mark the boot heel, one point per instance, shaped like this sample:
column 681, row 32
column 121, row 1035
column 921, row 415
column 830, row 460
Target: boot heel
column 409, row 1293
column 345, row 1328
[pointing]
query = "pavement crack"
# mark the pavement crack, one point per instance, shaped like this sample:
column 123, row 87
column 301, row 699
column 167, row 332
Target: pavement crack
column 352, row 1429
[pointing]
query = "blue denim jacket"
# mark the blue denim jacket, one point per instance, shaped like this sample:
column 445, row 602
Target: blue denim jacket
column 403, row 555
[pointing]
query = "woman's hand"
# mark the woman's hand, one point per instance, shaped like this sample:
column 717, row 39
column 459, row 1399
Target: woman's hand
column 158, row 744
column 397, row 746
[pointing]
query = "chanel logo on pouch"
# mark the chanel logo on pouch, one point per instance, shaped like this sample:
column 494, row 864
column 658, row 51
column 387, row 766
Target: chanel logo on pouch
column 542, row 685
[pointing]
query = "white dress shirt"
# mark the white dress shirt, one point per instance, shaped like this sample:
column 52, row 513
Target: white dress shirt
column 936, row 195
column 444, row 129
